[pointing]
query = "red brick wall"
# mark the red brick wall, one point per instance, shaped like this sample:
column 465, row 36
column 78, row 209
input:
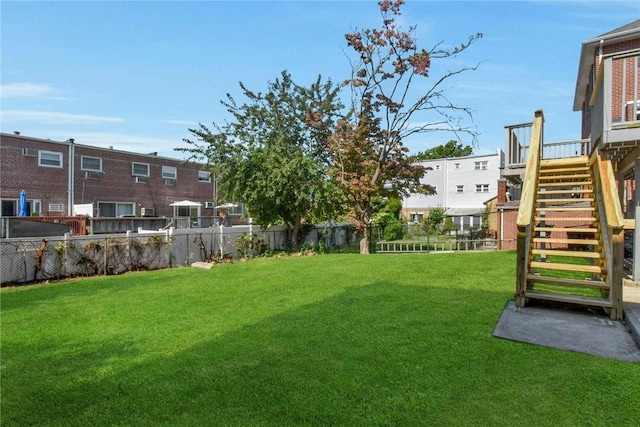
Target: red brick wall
column 18, row 172
column 115, row 184
column 509, row 226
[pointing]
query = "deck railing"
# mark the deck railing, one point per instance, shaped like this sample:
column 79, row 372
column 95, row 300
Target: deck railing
column 611, row 226
column 526, row 210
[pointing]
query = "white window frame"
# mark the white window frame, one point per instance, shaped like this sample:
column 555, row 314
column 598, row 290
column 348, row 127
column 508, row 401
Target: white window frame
column 50, row 153
column 457, row 166
column 204, row 176
column 133, row 169
column 169, row 172
column 459, row 188
column 118, row 206
column 482, row 188
column 56, row 207
column 481, row 165
column 90, row 169
column 437, row 167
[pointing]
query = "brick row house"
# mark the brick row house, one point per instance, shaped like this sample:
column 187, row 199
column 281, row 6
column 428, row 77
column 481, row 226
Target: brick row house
column 58, row 176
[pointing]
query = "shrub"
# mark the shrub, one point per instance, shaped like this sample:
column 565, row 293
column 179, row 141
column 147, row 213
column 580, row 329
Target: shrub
column 393, row 230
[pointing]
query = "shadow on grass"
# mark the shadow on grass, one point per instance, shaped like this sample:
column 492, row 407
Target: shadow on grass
column 372, row 355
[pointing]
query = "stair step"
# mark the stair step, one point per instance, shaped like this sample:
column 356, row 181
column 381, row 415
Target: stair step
column 567, row 267
column 567, row 200
column 566, row 229
column 574, row 299
column 565, row 178
column 567, row 282
column 563, row 184
column 554, row 219
column 572, row 254
column 565, row 161
column 591, row 242
column 570, row 191
column 566, row 209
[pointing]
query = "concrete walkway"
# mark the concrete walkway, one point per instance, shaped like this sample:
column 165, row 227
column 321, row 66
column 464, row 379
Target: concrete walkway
column 583, row 332
column 631, row 298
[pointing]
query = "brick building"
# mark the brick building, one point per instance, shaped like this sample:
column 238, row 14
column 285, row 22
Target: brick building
column 60, row 175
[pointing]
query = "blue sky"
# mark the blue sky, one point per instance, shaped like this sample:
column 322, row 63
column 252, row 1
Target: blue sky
column 138, row 75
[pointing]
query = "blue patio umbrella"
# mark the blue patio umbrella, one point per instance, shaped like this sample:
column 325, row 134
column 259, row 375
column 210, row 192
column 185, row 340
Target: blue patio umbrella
column 23, row 203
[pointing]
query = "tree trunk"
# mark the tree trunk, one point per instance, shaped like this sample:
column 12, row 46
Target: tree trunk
column 364, row 243
column 295, row 232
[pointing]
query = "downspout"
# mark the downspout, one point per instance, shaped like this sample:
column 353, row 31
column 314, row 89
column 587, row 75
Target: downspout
column 71, row 185
column 600, row 52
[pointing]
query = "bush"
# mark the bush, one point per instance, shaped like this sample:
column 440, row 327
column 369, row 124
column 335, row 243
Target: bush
column 393, row 230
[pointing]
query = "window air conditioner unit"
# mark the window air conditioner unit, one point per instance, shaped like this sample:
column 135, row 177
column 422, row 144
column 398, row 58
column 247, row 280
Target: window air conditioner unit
column 147, row 212
column 208, row 205
column 31, row 152
column 141, row 179
column 169, row 181
column 91, row 175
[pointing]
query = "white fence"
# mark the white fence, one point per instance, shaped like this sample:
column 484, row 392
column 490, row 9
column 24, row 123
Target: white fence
column 38, row 259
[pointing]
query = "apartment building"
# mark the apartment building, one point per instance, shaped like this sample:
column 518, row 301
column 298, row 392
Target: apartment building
column 462, row 185
column 59, row 177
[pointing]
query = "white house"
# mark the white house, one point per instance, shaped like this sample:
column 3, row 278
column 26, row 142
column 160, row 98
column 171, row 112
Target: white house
column 462, row 184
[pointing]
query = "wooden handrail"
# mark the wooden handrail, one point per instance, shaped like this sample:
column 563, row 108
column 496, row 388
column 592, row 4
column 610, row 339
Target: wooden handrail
column 609, row 190
column 530, row 182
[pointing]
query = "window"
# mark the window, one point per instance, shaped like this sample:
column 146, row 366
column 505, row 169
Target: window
column 481, row 165
column 169, row 172
column 91, row 164
column 50, row 159
column 56, row 207
column 459, row 188
column 111, row 209
column 457, row 166
column 204, row 176
column 140, row 169
column 482, row 188
column 437, row 167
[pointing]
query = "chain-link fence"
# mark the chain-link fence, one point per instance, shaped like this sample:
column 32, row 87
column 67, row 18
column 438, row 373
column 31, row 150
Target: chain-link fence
column 28, row 260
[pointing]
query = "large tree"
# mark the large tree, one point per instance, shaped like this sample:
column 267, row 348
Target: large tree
column 368, row 151
column 272, row 155
column 452, row 148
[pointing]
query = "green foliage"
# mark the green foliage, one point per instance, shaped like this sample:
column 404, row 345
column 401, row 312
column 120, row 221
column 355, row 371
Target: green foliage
column 449, row 225
column 370, row 158
column 393, row 230
column 250, row 245
column 485, row 217
column 272, row 155
column 452, row 148
column 435, row 217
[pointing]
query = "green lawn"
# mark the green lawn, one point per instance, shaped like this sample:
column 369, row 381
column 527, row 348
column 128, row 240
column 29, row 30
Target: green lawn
column 328, row 340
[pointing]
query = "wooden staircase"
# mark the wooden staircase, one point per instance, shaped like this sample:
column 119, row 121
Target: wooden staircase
column 566, row 253
column 570, row 230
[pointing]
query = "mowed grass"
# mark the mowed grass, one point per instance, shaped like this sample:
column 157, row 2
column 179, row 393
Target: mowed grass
column 326, row 340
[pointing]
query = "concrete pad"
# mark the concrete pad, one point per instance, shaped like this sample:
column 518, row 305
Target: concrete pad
column 204, row 265
column 568, row 330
